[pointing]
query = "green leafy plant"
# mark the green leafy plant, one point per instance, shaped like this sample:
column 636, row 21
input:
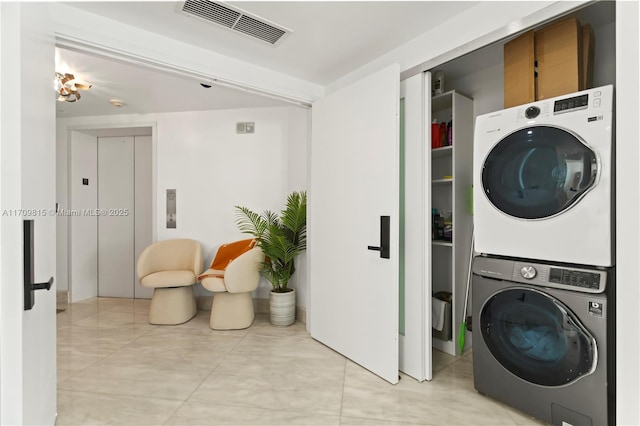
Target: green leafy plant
column 282, row 238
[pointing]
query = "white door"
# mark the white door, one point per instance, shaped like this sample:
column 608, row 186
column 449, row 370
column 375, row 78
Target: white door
column 415, row 246
column 27, row 191
column 354, row 187
column 116, row 220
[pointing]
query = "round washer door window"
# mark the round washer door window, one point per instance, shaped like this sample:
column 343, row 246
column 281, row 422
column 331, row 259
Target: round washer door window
column 538, row 172
column 536, row 337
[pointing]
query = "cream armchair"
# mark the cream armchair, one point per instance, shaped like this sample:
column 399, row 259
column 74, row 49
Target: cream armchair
column 171, row 268
column 232, row 307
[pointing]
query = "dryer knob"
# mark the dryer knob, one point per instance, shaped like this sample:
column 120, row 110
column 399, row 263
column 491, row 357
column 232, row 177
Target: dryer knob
column 528, row 272
column 532, row 112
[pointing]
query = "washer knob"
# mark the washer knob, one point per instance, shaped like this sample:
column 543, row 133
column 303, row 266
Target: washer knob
column 528, row 272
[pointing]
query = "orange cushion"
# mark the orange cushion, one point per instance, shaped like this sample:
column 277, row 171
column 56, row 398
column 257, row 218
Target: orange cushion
column 228, row 252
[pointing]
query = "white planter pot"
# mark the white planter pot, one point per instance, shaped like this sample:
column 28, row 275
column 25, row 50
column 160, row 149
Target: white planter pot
column 282, row 308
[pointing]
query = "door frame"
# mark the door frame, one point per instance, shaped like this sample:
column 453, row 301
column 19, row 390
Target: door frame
column 417, row 241
column 96, row 129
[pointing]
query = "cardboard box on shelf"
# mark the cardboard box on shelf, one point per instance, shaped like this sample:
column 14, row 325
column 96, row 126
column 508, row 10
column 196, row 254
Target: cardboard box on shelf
column 553, row 61
column 588, row 53
column 519, row 74
column 558, row 50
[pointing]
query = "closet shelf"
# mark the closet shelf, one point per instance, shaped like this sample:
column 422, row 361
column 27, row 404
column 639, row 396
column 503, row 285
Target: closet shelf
column 448, row 180
column 442, row 152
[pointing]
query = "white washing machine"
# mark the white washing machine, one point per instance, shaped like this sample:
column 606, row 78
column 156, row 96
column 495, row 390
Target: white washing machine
column 543, row 182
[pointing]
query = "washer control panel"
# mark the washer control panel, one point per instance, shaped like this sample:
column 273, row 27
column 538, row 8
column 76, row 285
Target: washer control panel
column 545, row 275
column 585, row 280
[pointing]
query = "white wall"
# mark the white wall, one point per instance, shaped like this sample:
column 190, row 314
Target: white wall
column 299, row 136
column 213, row 169
column 627, row 212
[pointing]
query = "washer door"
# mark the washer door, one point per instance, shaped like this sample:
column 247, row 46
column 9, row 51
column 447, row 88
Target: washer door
column 536, row 337
column 538, row 172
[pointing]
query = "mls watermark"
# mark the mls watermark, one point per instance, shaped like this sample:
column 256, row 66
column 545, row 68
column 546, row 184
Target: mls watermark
column 65, row 212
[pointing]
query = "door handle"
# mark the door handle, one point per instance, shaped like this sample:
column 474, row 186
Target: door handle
column 383, row 248
column 43, row 286
column 29, row 285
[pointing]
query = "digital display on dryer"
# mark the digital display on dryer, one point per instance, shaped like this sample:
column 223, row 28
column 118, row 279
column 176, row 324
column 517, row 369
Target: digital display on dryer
column 574, row 278
column 570, row 104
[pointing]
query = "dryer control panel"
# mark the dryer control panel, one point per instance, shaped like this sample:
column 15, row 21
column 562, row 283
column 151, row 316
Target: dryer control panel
column 571, row 104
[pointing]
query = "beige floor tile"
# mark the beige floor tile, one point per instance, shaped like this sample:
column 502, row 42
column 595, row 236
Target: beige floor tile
column 116, row 368
column 200, row 325
column 435, row 402
column 74, row 313
column 262, row 327
column 246, row 364
column 63, row 374
column 296, row 374
column 195, row 414
column 85, row 408
column 355, row 421
column 168, row 372
column 440, row 360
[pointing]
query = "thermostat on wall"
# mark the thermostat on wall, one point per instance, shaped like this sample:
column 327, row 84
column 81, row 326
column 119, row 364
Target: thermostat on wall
column 245, row 127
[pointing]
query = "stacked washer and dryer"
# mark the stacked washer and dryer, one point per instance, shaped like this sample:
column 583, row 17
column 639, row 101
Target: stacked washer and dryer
column 543, row 282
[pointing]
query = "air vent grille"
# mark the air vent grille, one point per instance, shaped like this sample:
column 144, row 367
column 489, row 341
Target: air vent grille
column 212, row 11
column 259, row 29
column 236, row 20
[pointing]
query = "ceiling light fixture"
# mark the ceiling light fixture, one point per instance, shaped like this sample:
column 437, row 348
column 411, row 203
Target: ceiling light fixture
column 117, row 103
column 67, row 87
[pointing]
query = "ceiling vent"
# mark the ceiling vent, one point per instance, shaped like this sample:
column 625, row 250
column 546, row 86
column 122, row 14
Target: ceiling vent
column 235, row 19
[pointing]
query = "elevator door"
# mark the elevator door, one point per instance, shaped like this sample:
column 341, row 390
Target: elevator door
column 116, row 263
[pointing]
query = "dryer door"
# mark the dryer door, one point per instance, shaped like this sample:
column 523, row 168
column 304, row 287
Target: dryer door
column 536, row 337
column 538, row 172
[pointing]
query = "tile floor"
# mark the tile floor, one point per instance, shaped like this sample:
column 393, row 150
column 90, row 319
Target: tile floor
column 116, row 368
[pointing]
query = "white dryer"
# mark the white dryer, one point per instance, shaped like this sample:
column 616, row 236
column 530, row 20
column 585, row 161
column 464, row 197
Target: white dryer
column 543, row 183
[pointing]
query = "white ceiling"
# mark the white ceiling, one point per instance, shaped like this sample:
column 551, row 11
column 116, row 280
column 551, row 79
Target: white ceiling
column 328, row 40
column 143, row 90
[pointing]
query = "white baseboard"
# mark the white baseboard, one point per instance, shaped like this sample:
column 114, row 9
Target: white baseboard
column 62, row 297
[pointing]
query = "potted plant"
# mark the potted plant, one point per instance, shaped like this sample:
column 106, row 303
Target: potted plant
column 282, row 238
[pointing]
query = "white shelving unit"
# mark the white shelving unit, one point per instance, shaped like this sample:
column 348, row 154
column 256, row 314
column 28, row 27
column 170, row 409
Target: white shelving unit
column 450, row 182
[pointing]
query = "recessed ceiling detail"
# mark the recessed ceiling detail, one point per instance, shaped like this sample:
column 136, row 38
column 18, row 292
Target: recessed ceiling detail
column 235, row 19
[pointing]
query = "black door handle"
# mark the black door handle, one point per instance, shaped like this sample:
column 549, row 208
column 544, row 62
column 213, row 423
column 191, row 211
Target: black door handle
column 384, row 248
column 43, row 286
column 29, row 285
